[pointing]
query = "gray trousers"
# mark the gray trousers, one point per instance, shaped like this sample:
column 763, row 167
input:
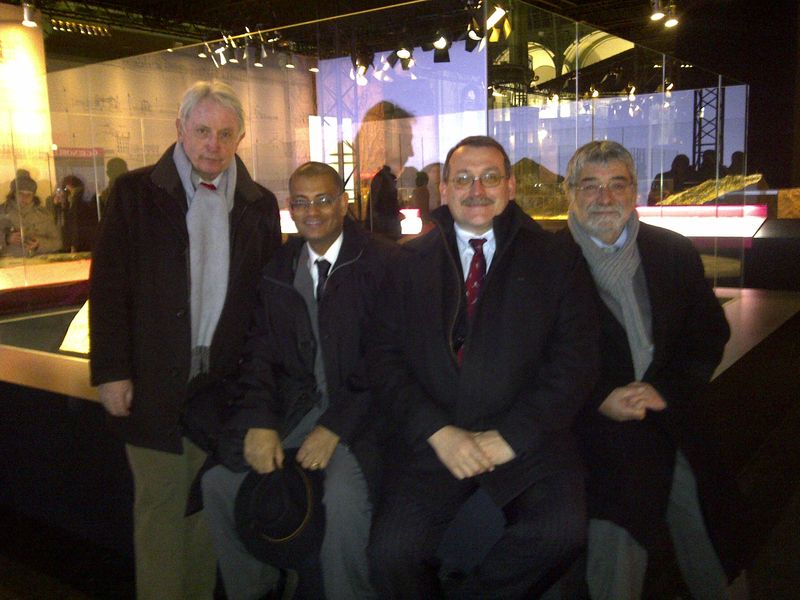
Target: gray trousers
column 348, row 514
column 616, row 563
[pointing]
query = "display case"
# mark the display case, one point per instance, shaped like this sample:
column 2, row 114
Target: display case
column 394, row 87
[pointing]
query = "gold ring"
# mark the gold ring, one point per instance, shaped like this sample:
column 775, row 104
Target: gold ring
column 314, row 465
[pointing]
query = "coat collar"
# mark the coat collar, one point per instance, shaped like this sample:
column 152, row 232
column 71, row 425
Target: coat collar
column 505, row 225
column 284, row 265
column 173, row 202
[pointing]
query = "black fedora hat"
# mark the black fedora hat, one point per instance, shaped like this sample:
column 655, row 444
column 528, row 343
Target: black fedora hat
column 279, row 515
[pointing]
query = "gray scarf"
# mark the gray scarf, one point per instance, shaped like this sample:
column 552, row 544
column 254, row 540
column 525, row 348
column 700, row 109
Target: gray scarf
column 209, row 254
column 615, row 275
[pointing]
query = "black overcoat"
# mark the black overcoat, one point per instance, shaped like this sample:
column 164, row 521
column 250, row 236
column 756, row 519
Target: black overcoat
column 139, row 318
column 530, row 356
column 630, row 465
column 276, row 386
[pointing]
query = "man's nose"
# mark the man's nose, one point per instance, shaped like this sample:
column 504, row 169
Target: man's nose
column 214, row 140
column 477, row 184
column 605, row 196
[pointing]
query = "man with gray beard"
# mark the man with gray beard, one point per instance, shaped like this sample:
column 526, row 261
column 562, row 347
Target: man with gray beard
column 651, row 471
column 485, row 350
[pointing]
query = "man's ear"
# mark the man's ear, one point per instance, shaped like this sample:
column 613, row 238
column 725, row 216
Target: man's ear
column 512, row 186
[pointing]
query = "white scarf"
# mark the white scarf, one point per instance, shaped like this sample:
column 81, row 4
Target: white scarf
column 208, row 225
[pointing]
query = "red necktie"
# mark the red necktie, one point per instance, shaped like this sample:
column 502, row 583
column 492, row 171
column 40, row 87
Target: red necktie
column 477, row 271
column 210, row 186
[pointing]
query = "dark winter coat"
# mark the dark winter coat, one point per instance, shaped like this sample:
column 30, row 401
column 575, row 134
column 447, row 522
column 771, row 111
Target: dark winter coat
column 277, row 386
column 630, row 465
column 139, row 294
column 529, row 360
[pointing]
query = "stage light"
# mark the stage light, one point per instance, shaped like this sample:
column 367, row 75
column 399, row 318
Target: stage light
column 28, row 14
column 658, row 11
column 672, row 16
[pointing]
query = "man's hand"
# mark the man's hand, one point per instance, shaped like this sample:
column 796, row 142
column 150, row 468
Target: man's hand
column 459, row 452
column 494, row 446
column 632, row 402
column 317, row 448
column 263, row 450
column 116, row 397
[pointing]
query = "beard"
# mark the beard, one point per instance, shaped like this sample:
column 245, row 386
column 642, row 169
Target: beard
column 600, row 223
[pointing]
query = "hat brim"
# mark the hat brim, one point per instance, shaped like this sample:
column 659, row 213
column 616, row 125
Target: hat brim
column 279, row 515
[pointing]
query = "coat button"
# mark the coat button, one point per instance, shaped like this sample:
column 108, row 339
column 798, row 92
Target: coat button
column 181, row 313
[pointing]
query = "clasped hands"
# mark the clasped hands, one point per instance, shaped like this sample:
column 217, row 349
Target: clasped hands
column 631, row 402
column 470, row 453
column 264, row 453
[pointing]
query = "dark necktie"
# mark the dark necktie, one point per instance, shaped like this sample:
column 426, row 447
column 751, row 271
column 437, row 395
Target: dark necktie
column 323, row 266
column 210, row 186
column 477, row 271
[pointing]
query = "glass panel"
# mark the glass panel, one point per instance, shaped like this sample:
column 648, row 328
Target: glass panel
column 344, row 92
column 532, row 80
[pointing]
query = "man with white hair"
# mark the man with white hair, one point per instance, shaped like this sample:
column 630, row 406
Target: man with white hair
column 173, row 278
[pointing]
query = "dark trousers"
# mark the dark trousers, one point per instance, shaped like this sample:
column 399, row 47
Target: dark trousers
column 545, row 530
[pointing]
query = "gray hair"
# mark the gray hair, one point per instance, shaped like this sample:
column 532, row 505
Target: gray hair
column 215, row 90
column 597, row 152
column 477, row 141
column 317, row 169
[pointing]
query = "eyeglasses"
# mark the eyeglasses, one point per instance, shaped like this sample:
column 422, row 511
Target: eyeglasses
column 593, row 190
column 321, row 202
column 490, row 179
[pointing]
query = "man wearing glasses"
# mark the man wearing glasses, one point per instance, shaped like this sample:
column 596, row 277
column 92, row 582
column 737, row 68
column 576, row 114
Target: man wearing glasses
column 663, row 333
column 485, row 350
column 314, row 396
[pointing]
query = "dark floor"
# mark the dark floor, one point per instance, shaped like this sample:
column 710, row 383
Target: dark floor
column 65, row 490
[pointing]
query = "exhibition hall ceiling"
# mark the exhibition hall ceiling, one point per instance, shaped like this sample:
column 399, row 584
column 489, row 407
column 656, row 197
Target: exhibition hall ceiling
column 139, row 26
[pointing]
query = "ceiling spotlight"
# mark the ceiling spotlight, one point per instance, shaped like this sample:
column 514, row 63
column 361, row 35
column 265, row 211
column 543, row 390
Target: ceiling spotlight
column 672, row 16
column 441, row 55
column 261, row 56
column 495, row 17
column 289, row 61
column 204, row 51
column 440, row 43
column 404, row 52
column 234, row 57
column 313, row 69
column 28, row 14
column 593, row 92
column 658, row 10
column 498, row 25
column 474, row 30
column 362, row 61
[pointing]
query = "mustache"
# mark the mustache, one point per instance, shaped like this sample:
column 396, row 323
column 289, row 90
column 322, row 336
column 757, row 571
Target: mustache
column 592, row 210
column 477, row 201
